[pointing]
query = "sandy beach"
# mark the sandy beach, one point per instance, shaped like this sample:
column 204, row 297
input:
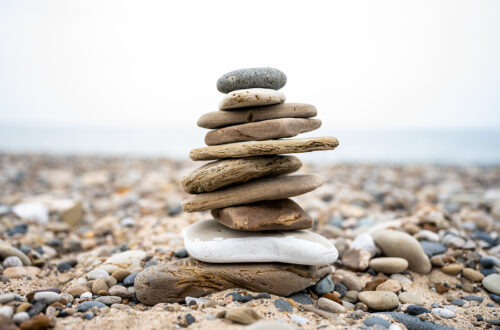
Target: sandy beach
column 101, row 206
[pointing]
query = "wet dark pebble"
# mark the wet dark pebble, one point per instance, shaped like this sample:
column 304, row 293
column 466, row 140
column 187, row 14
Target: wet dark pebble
column 484, row 236
column 375, row 320
column 189, row 319
column 283, row 305
column 88, row 316
column 324, row 285
column 413, row 322
column 433, row 248
column 495, row 298
column 181, row 253
column 487, row 262
column 174, row 211
column 63, row 267
column 416, row 310
column 262, row 295
column 129, row 280
column 19, row 229
column 488, row 271
column 372, row 272
column 55, row 242
column 479, row 318
column 341, row 288
column 37, row 308
column 302, row 299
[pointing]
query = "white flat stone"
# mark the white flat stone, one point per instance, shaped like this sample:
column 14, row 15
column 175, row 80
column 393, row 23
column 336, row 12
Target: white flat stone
column 252, row 97
column 210, row 241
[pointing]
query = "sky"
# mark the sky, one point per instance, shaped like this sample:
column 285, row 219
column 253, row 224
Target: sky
column 363, row 64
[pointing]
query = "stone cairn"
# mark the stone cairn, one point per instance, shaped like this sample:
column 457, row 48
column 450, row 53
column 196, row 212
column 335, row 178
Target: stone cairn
column 257, row 240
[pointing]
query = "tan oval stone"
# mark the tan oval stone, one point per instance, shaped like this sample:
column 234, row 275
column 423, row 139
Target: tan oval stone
column 221, row 173
column 251, row 97
column 262, row 130
column 389, row 285
column 452, row 269
column 218, row 119
column 379, row 300
column 399, row 244
column 389, row 265
column 258, row 190
column 281, row 214
column 330, row 306
column 263, row 148
column 243, row 315
column 21, row 271
column 472, row 275
column 410, row 298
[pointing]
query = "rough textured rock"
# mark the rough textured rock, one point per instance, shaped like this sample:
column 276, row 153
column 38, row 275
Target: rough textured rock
column 209, row 241
column 217, row 119
column 263, row 148
column 251, row 78
column 399, row 244
column 282, row 214
column 389, row 265
column 258, row 190
column 262, row 130
column 356, row 259
column 174, row 281
column 251, row 97
column 225, row 172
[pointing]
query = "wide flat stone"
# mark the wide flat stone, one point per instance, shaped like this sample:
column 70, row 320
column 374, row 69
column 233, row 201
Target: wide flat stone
column 217, row 119
column 222, row 173
column 209, row 241
column 252, row 97
column 251, row 78
column 174, row 281
column 281, row 214
column 262, row 148
column 262, row 130
column 254, row 191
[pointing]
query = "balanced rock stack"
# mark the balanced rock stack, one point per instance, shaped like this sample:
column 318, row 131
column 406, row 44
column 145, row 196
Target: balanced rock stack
column 258, row 239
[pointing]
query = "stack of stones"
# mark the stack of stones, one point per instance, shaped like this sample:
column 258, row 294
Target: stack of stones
column 258, row 239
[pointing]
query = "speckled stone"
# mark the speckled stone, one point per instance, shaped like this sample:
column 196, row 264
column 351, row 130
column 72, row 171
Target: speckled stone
column 251, row 78
column 252, row 97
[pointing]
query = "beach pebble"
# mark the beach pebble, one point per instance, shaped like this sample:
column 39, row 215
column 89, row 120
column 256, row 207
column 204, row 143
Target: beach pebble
column 38, row 322
column 10, row 251
column 129, row 280
column 242, row 315
column 32, row 211
column 129, row 260
column 452, row 269
column 119, row 291
column 8, row 297
column 251, row 97
column 120, row 274
column 432, row 248
column 86, row 295
column 324, row 285
column 212, row 242
column 19, row 318
column 364, row 242
column 330, row 306
column 411, row 298
column 401, row 279
column 6, row 311
column 443, row 312
column 389, row 285
column 350, row 280
column 458, row 302
column 356, row 259
column 12, row 261
column 127, row 222
column 283, row 305
column 379, row 300
column 47, row 297
column 302, row 299
column 416, row 310
column 181, row 253
column 399, row 244
column 492, row 283
column 96, row 274
column 251, row 78
column 375, row 320
column 100, row 287
column 86, row 305
column 389, row 265
column 472, row 275
column 109, row 300
column 271, row 325
column 77, row 290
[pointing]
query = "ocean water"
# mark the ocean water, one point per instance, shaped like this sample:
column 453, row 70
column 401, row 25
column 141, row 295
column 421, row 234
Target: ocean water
column 446, row 146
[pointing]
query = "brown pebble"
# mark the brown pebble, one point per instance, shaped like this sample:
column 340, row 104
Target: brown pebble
column 472, row 275
column 361, row 307
column 372, row 285
column 38, row 322
column 440, row 288
column 120, row 274
column 77, row 290
column 242, row 315
column 452, row 269
column 100, row 286
column 6, row 323
column 221, row 314
column 468, row 287
column 437, row 260
column 23, row 307
column 333, row 297
column 111, row 280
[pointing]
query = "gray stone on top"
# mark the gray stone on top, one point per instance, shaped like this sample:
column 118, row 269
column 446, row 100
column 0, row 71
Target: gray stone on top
column 251, row 78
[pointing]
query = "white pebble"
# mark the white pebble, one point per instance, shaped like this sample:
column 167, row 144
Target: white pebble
column 97, row 273
column 7, row 311
column 47, row 297
column 12, row 261
column 20, row 317
column 299, row 319
column 443, row 312
column 86, row 295
column 127, row 222
column 32, row 211
column 364, row 242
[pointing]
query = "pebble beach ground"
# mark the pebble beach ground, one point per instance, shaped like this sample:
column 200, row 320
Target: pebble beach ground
column 84, row 226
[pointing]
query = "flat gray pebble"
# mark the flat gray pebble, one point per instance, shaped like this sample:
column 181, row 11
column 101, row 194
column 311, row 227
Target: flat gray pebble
column 251, row 78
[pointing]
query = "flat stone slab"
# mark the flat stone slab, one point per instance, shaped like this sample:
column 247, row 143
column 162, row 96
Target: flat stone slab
column 174, row 281
column 222, row 173
column 262, row 148
column 262, row 130
column 252, row 97
column 281, row 214
column 217, row 119
column 251, row 78
column 209, row 241
column 254, row 191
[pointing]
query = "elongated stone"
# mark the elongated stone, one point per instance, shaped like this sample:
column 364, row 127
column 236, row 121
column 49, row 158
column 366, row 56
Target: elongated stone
column 209, row 241
column 174, row 281
column 254, row 191
column 262, row 148
column 225, row 172
column 217, row 119
column 262, row 130
column 252, row 97
column 251, row 78
column 282, row 214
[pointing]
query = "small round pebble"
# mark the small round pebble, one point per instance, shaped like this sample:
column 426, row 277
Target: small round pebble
column 12, row 261
column 129, row 280
column 47, row 297
column 63, row 267
column 97, row 273
column 324, row 285
column 189, row 319
column 458, row 302
column 86, row 295
column 443, row 312
column 283, row 305
column 251, row 78
column 487, row 262
column 181, row 253
column 18, row 318
column 86, row 305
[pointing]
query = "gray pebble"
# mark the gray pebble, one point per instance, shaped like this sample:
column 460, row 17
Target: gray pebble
column 458, row 302
column 302, row 299
column 8, row 297
column 474, row 298
column 12, row 261
column 371, row 321
column 324, row 285
column 109, row 300
column 19, row 318
column 86, row 305
column 414, row 323
column 97, row 273
column 251, row 78
column 47, row 297
column 433, row 248
column 129, row 280
column 181, row 253
column 283, row 305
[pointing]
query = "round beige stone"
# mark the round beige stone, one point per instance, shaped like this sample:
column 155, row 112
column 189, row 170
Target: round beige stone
column 379, row 300
column 389, row 265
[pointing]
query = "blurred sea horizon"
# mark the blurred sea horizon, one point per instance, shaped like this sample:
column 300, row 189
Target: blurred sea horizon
column 453, row 146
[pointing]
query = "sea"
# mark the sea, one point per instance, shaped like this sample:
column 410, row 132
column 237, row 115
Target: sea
column 466, row 146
